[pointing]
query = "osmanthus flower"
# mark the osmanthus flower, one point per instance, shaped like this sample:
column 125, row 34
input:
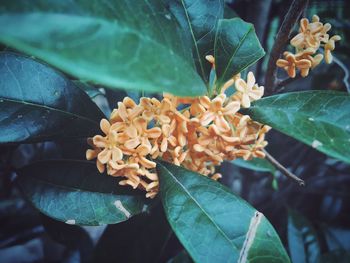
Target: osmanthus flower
column 308, row 54
column 308, row 34
column 329, row 47
column 109, row 145
column 290, row 64
column 197, row 133
column 248, row 91
column 311, row 37
column 216, row 110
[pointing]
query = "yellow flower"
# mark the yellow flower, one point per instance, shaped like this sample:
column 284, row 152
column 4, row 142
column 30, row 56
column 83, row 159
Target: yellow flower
column 290, row 63
column 126, row 112
column 215, row 111
column 167, row 135
column 248, row 91
column 108, row 143
column 153, row 108
column 309, row 34
column 92, row 154
column 329, row 47
column 307, row 54
column 140, row 135
column 198, row 137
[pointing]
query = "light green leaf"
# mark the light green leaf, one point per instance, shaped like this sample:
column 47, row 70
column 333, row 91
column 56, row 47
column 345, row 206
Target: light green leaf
column 120, row 44
column 302, row 239
column 236, row 48
column 38, row 104
column 75, row 193
column 320, row 119
column 256, row 164
column 213, row 224
column 199, row 21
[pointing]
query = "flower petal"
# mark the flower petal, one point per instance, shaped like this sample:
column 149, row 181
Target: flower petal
column 104, row 156
column 250, row 80
column 241, row 85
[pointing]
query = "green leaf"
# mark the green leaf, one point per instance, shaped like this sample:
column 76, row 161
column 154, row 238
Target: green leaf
column 236, row 48
column 199, row 21
column 212, row 223
column 38, row 104
column 90, row 90
column 140, row 239
column 75, row 193
column 120, row 44
column 318, row 118
column 256, row 164
column 302, row 239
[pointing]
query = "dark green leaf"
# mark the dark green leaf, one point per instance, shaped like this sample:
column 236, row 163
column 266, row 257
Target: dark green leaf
column 236, row 48
column 256, row 164
column 89, row 89
column 302, row 239
column 318, row 118
column 212, row 223
column 37, row 103
column 75, row 193
column 140, row 239
column 199, row 20
column 120, row 44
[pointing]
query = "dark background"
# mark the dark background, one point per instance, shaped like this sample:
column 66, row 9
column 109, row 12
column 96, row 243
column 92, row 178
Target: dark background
column 321, row 209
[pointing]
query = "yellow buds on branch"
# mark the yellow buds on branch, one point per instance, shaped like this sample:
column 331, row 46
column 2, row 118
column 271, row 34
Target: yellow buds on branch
column 198, row 133
column 311, row 37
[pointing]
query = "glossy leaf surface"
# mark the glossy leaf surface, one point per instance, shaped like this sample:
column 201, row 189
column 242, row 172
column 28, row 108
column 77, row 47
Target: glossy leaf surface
column 199, row 19
column 236, row 47
column 37, row 103
column 121, row 44
column 205, row 214
column 318, row 118
column 75, row 193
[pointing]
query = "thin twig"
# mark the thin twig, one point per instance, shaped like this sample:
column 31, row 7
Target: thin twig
column 346, row 72
column 280, row 85
column 283, row 169
column 292, row 16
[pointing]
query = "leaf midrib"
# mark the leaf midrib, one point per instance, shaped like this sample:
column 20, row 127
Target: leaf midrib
column 194, row 39
column 238, row 47
column 41, row 106
column 200, row 207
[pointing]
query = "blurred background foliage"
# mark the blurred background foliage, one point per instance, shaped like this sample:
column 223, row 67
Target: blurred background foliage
column 312, row 221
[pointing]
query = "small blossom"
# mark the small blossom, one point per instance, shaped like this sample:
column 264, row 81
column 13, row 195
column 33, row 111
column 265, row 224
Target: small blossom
column 248, row 91
column 204, row 133
column 329, row 47
column 309, row 34
column 290, row 63
column 216, row 111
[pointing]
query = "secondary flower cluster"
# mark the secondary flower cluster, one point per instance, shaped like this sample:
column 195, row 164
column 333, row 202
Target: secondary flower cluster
column 197, row 133
column 312, row 36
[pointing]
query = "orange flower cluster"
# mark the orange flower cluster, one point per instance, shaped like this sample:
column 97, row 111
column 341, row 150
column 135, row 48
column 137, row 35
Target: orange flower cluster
column 311, row 37
column 197, row 133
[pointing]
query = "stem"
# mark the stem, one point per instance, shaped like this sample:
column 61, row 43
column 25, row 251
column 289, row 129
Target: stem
column 292, row 16
column 280, row 85
column 283, row 169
